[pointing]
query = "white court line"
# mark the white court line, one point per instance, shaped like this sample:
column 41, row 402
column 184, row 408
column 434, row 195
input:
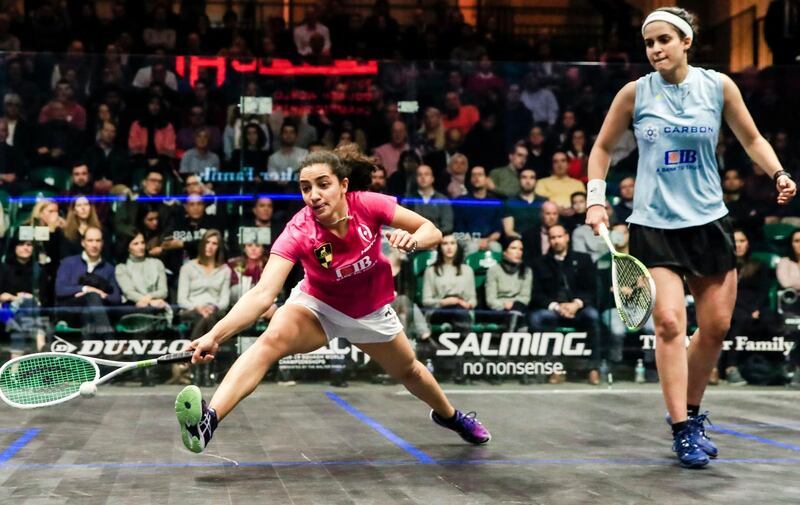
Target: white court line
column 605, row 391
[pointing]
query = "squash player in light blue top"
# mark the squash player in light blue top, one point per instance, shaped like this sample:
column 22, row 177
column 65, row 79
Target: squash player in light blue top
column 679, row 227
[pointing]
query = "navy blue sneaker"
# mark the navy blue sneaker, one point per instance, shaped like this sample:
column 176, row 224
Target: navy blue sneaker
column 465, row 425
column 685, row 445
column 196, row 419
column 703, row 440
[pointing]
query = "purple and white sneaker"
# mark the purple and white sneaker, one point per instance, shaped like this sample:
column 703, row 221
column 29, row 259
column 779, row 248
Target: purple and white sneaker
column 469, row 428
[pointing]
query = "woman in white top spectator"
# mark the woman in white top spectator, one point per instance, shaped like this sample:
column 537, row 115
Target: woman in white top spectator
column 449, row 287
column 204, row 285
column 788, row 271
column 143, row 280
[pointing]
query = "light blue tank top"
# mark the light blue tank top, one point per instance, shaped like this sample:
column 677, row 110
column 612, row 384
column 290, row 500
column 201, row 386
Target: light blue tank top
column 676, row 128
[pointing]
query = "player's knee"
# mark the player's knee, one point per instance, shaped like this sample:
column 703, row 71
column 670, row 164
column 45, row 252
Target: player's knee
column 273, row 343
column 668, row 325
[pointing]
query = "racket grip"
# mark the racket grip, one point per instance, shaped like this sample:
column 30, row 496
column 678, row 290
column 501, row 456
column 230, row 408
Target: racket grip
column 177, row 357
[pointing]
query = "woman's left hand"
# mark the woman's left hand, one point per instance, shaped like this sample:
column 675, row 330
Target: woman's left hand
column 401, row 239
column 786, row 189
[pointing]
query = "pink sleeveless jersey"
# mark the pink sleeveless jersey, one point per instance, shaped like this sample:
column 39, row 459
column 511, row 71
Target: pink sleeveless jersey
column 350, row 274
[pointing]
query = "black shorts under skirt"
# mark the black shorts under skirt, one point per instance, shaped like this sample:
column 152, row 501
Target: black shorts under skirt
column 698, row 251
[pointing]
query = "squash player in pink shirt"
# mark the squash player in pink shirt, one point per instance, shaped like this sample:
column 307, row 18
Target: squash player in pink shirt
column 346, row 292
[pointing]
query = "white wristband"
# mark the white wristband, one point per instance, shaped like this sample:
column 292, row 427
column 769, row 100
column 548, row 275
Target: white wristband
column 596, row 193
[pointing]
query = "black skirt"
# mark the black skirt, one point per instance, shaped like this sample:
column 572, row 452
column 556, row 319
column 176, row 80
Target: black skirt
column 698, row 251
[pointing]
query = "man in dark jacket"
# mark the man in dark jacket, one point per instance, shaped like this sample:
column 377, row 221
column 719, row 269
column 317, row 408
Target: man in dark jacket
column 565, row 291
column 86, row 282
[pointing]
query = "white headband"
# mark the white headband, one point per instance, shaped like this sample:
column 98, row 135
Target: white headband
column 676, row 21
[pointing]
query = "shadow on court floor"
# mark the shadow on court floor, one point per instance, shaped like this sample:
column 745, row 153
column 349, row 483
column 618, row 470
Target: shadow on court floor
column 375, row 444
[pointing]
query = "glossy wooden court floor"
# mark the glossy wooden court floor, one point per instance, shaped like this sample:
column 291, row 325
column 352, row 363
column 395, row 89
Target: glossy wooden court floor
column 375, row 444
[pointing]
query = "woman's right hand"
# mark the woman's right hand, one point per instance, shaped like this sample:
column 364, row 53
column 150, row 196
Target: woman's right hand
column 595, row 215
column 205, row 348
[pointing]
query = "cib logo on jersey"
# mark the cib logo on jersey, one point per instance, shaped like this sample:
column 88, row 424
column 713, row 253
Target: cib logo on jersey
column 680, row 157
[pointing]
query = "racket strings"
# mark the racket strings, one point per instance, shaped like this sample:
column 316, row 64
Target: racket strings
column 43, row 379
column 634, row 291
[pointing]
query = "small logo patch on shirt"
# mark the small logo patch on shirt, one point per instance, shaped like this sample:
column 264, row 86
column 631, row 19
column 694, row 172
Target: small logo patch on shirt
column 324, row 254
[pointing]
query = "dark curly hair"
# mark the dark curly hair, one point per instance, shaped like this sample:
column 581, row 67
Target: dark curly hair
column 346, row 161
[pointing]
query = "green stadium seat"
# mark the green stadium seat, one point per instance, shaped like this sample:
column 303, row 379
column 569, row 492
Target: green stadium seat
column 767, row 258
column 480, row 262
column 422, row 260
column 50, row 177
column 776, row 235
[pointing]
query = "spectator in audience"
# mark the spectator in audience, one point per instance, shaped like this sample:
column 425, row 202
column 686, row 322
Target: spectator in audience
column 80, row 181
column 159, row 33
column 235, row 133
column 200, row 159
column 624, row 208
column 149, row 223
column 403, row 181
column 585, row 241
column 561, row 133
column 577, row 155
column 125, row 218
column 744, row 213
column 539, row 157
column 81, row 215
column 86, row 285
column 439, row 212
column 18, row 84
column 57, row 140
column 536, row 241
column 310, row 27
column 565, row 293
column 457, row 168
column 458, row 116
column 156, row 73
column 263, row 217
column 521, row 211
column 74, row 113
column 509, row 284
column 506, row 179
column 186, row 231
column 788, row 270
column 378, row 180
column 18, row 288
column 484, row 83
column 74, row 69
column 152, row 136
column 388, row 154
column 282, row 164
column 246, row 271
column 540, row 101
column 252, row 153
column 432, row 131
column 204, row 286
column 13, row 165
column 559, row 186
column 448, row 289
column 20, row 132
column 577, row 216
column 751, row 312
column 186, row 137
column 479, row 214
column 107, row 161
column 483, row 145
column 439, row 161
column 142, row 280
